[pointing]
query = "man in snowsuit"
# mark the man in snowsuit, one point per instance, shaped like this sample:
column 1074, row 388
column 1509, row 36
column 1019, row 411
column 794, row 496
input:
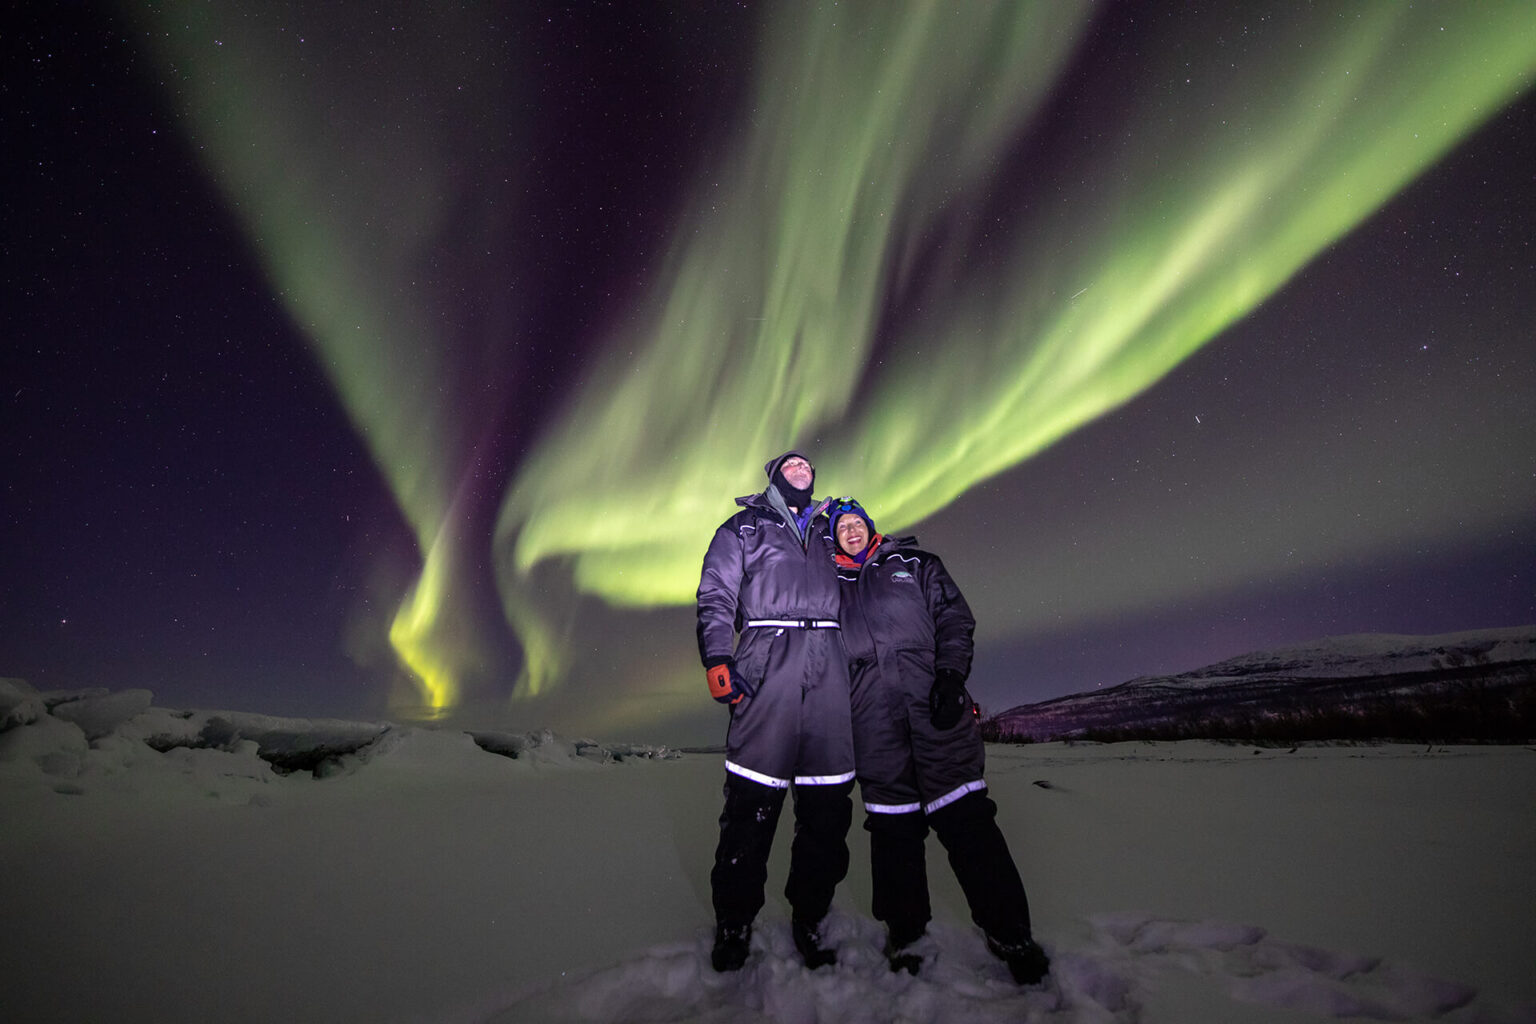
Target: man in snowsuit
column 918, row 746
column 768, row 637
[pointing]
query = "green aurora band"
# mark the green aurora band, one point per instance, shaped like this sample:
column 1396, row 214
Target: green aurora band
column 874, row 124
column 872, row 173
column 344, row 169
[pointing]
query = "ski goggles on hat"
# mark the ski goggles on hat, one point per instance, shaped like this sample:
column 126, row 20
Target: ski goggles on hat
column 848, row 506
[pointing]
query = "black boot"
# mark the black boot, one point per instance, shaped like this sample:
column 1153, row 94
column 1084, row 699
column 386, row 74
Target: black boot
column 808, row 941
column 902, row 956
column 731, row 945
column 1026, row 961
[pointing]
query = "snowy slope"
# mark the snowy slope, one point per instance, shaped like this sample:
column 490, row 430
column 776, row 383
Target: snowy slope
column 1374, row 654
column 1337, row 670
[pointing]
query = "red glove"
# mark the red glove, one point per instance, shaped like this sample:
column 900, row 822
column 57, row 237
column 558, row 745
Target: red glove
column 724, row 684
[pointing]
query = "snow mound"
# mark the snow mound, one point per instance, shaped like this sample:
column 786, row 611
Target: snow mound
column 19, row 703
column 544, row 747
column 49, row 745
column 95, row 734
column 99, row 715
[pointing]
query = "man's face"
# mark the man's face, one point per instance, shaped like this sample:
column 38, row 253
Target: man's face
column 797, row 472
column 852, row 533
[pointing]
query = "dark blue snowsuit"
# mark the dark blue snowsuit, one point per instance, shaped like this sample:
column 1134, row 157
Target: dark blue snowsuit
column 903, row 620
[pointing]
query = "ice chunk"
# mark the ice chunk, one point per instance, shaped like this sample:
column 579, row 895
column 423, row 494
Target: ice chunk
column 98, row 716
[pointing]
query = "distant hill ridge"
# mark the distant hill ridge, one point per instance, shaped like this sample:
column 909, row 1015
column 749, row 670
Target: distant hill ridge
column 1476, row 685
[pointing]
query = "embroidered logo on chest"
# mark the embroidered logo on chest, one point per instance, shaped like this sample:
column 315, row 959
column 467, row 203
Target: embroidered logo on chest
column 902, row 576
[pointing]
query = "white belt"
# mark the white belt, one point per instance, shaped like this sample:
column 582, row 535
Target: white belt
column 795, row 623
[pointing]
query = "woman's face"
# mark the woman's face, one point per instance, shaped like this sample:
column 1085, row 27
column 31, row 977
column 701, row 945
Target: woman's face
column 852, row 533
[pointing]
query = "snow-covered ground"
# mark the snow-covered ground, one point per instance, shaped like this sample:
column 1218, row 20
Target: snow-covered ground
column 425, row 879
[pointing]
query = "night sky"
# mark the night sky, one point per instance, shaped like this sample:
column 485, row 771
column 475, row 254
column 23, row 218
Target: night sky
column 360, row 361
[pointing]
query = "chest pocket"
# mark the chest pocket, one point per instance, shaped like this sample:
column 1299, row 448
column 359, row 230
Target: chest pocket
column 905, row 623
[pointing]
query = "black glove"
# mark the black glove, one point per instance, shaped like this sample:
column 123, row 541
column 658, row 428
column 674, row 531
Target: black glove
column 724, row 684
column 947, row 700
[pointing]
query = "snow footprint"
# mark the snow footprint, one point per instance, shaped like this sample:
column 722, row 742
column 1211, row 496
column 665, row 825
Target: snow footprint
column 1262, row 970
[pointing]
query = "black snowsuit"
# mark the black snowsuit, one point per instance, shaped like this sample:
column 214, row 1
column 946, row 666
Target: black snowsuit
column 904, row 619
column 777, row 590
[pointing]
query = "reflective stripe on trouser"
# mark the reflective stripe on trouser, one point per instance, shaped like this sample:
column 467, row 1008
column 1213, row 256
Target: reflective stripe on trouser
column 799, row 780
column 974, row 786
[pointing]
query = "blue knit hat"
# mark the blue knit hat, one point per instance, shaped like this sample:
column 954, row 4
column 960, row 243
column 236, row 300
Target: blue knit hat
column 848, row 506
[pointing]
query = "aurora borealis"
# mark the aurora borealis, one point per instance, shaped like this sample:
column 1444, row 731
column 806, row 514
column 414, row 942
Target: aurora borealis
column 1177, row 336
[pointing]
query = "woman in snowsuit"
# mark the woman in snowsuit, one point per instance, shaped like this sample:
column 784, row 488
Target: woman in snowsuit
column 917, row 746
